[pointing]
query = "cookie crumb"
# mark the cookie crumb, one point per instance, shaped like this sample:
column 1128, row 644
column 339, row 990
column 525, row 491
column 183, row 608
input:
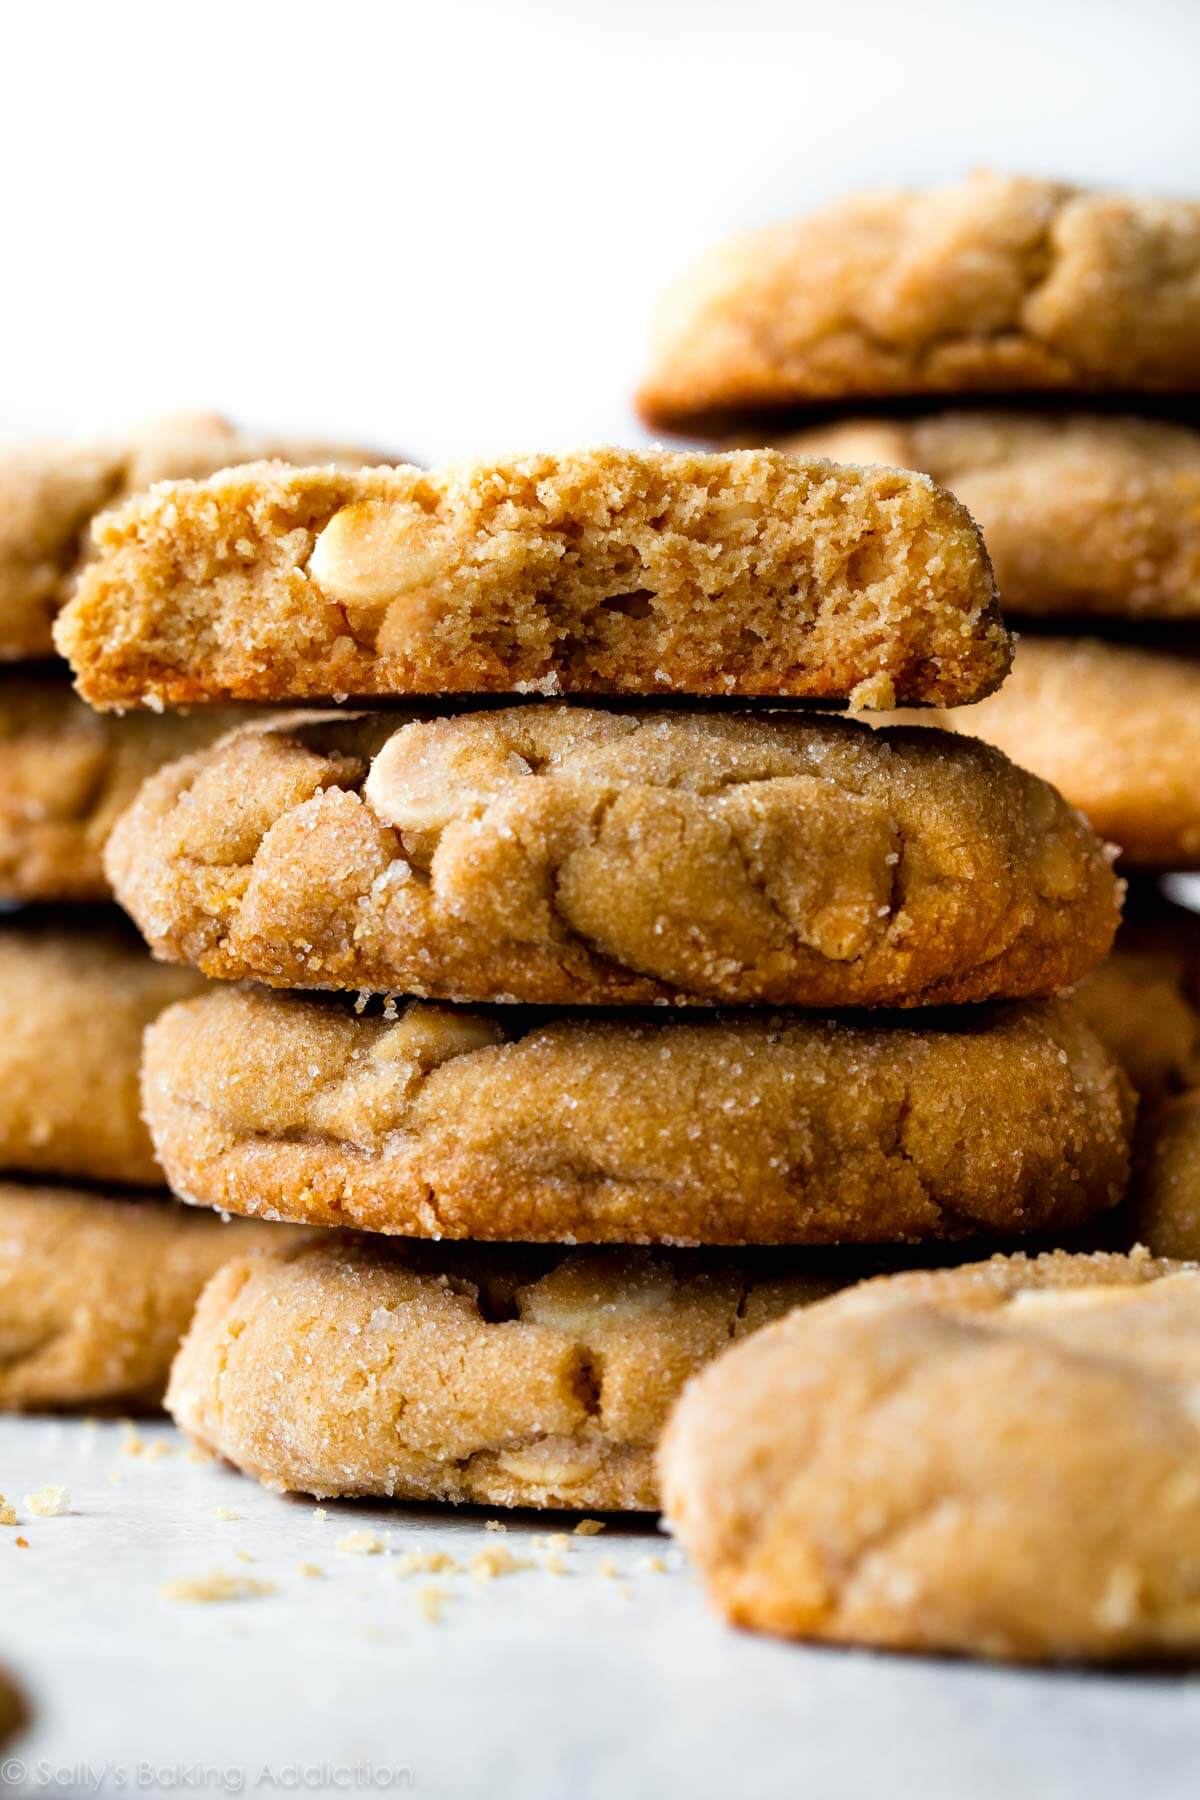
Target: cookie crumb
column 311, row 1571
column 227, row 1512
column 606, row 1567
column 319, row 1512
column 494, row 1525
column 206, row 1590
column 426, row 1562
column 8, row 1512
column 361, row 1543
column 243, row 1556
column 497, row 1560
column 49, row 1502
column 555, row 1563
column 22, row 1543
column 654, row 1565
column 589, row 1528
column 431, row 1601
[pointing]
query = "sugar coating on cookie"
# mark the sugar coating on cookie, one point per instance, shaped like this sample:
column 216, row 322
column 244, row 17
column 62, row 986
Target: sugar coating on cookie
column 595, row 571
column 1116, row 728
column 95, row 1293
column 68, row 773
column 1084, row 516
column 500, row 1375
column 75, row 998
column 698, row 1130
column 572, row 855
column 1000, row 284
column 997, row 1461
column 50, row 491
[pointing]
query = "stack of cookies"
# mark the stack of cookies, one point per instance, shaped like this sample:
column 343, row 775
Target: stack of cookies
column 98, row 1278
column 996, row 290
column 645, row 1001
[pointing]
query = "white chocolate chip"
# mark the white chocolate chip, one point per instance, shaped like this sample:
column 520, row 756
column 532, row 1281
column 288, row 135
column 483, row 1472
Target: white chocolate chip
column 375, row 550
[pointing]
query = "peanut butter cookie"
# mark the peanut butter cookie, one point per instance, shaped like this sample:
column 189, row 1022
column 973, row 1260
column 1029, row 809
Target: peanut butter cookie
column 95, row 1294
column 13, row 1714
column 998, row 285
column 1164, row 1210
column 74, row 1001
column 1084, row 516
column 50, row 492
column 569, row 855
column 698, row 1130
column 499, row 1375
column 997, row 1461
column 67, row 773
column 1116, row 728
column 1143, row 1001
column 601, row 571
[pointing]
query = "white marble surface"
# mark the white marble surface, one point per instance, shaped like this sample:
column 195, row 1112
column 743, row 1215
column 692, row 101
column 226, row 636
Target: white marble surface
column 566, row 1687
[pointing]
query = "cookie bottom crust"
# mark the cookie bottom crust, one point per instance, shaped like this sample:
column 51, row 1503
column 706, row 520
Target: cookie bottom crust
column 493, row 1374
column 95, row 1293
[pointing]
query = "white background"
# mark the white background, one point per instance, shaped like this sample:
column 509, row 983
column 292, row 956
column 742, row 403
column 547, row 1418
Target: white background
column 439, row 228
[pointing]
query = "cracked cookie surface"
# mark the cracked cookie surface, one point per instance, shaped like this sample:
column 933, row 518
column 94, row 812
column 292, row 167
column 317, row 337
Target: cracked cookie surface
column 696, row 1129
column 500, row 1375
column 595, row 571
column 50, row 491
column 997, row 285
column 1084, row 516
column 75, row 998
column 95, row 1293
column 68, row 773
column 570, row 855
column 997, row 1461
column 1116, row 728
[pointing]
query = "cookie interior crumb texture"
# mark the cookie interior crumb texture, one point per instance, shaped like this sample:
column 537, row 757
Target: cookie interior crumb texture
column 1000, row 284
column 51, row 490
column 571, row 855
column 696, row 1130
column 599, row 571
column 997, row 1461
column 1084, row 516
column 503, row 1376
column 95, row 1293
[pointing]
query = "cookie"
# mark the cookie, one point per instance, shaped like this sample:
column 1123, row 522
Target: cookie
column 13, row 1714
column 995, row 1461
column 74, row 1002
column 1164, row 1209
column 1116, row 728
column 500, row 1375
column 567, row 855
column 66, row 775
column 1000, row 284
column 1143, row 1001
column 597, row 571
column 51, row 490
column 697, row 1130
column 95, row 1294
column 1084, row 516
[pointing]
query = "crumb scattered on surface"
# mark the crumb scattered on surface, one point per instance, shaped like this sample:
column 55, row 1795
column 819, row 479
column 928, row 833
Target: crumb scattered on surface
column 432, row 1602
column 319, row 1512
column 49, row 1502
column 494, row 1525
column 22, row 1543
column 555, row 1563
column 8, row 1512
column 654, row 1565
column 606, row 1566
column 310, row 1570
column 589, row 1527
column 361, row 1543
column 497, row 1560
column 426, row 1562
column 227, row 1512
column 216, row 1587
